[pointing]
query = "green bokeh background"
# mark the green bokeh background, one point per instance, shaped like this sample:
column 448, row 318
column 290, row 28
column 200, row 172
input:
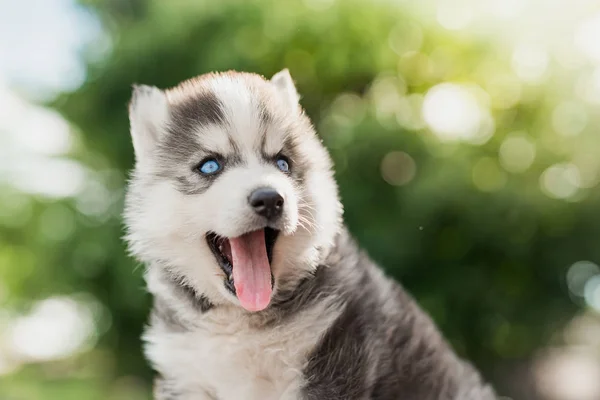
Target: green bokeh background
column 483, row 249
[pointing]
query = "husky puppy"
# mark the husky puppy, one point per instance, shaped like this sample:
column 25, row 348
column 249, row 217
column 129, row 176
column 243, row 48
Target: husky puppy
column 259, row 291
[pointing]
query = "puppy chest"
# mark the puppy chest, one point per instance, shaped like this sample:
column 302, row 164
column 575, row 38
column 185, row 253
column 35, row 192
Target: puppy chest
column 239, row 366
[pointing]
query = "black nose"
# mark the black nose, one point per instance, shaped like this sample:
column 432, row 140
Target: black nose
column 266, row 202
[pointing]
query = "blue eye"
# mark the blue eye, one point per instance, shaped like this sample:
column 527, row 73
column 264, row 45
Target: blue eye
column 210, row 167
column 282, row 164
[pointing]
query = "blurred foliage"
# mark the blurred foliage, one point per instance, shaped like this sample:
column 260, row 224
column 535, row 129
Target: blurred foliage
column 484, row 250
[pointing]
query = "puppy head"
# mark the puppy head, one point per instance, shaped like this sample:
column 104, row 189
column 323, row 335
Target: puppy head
column 232, row 189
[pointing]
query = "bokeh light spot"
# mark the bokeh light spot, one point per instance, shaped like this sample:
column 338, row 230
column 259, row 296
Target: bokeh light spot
column 583, row 330
column 56, row 328
column 386, row 94
column 569, row 118
column 57, row 222
column 348, row 109
column 51, row 177
column 517, row 152
column 578, row 275
column 568, row 374
column 42, row 131
column 587, row 87
column 408, row 113
column 405, row 37
column 505, row 90
column 94, row 200
column 454, row 113
column 398, row 168
column 591, row 292
column 588, row 164
column 560, row 181
column 530, row 62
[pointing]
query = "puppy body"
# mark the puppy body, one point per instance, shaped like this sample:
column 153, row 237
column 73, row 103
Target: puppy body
column 331, row 325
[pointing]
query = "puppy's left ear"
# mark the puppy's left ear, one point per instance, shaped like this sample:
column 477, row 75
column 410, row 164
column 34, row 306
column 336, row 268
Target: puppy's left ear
column 286, row 88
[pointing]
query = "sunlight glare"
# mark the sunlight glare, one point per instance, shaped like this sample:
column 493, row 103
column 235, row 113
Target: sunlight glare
column 454, row 113
column 587, row 38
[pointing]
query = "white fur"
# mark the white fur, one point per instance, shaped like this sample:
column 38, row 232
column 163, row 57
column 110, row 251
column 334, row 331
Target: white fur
column 148, row 113
column 168, row 226
column 225, row 356
column 285, row 86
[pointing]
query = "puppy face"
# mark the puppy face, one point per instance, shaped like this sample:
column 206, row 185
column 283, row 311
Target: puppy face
column 232, row 190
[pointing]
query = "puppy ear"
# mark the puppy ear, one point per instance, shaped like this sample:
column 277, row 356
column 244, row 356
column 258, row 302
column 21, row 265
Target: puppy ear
column 285, row 86
column 148, row 115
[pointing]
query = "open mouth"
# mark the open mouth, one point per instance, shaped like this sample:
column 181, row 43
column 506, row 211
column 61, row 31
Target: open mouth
column 246, row 262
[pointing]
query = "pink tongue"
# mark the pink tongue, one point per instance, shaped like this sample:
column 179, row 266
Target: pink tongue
column 251, row 270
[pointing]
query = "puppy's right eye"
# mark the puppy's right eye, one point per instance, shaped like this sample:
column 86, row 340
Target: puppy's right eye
column 209, row 167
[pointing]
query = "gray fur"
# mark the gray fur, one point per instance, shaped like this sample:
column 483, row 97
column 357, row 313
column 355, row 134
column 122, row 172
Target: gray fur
column 382, row 346
column 185, row 292
column 164, row 311
column 359, row 334
column 300, row 164
column 163, row 314
column 200, row 108
column 179, row 146
column 165, row 390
